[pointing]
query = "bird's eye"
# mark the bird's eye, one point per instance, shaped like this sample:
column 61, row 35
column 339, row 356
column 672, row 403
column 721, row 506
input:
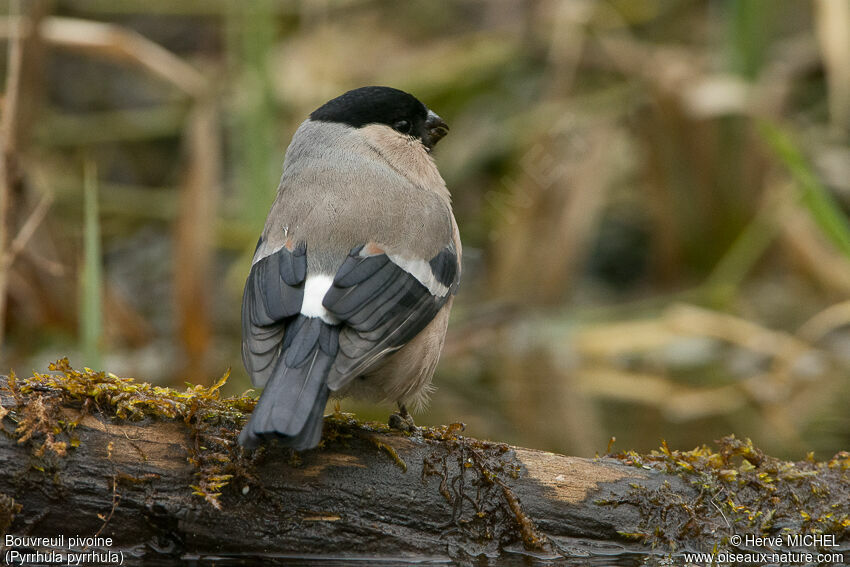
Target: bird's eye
column 402, row 126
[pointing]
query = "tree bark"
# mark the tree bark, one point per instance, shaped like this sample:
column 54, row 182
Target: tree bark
column 366, row 492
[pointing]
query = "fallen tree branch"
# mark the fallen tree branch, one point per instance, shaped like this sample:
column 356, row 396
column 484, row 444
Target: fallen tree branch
column 174, row 484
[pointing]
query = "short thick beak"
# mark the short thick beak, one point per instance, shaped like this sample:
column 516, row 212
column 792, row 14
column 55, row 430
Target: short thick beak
column 436, row 128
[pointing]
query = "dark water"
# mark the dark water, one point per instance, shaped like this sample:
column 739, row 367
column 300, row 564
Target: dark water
column 574, row 552
column 506, row 560
column 520, row 559
column 571, row 552
column 393, row 562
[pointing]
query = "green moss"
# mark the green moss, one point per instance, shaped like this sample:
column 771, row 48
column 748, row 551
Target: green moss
column 741, row 491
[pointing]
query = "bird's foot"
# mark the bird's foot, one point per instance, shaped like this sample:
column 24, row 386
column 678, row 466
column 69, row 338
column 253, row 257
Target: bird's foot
column 402, row 420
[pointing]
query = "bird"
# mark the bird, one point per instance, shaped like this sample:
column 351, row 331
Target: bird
column 356, row 269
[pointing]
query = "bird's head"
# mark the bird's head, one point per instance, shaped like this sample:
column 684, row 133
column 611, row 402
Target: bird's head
column 387, row 106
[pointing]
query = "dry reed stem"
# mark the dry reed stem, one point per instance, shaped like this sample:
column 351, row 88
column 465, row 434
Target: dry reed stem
column 814, row 254
column 826, row 321
column 691, row 320
column 7, row 142
column 193, row 254
column 26, row 231
column 116, row 42
column 767, row 390
column 832, row 23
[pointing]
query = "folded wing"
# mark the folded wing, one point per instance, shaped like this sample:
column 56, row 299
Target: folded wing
column 273, row 294
column 383, row 301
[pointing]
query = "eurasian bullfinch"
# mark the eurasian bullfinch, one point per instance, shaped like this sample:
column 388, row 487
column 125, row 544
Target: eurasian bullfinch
column 355, row 272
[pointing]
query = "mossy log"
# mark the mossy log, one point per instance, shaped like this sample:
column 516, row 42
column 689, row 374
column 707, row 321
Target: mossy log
column 366, row 491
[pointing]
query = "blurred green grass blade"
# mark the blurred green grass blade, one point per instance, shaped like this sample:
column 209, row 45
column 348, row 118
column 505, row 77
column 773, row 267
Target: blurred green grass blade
column 251, row 36
column 746, row 250
column 91, row 292
column 749, row 247
column 749, row 25
column 821, row 205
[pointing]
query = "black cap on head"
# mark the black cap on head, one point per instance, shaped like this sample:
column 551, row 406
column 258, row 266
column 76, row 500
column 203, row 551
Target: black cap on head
column 397, row 109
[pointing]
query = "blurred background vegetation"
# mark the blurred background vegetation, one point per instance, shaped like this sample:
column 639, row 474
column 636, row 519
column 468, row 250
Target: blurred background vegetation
column 652, row 195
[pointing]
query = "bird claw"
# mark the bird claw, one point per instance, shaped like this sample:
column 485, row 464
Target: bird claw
column 402, row 422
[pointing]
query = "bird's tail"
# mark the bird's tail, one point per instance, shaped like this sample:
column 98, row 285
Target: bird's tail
column 293, row 403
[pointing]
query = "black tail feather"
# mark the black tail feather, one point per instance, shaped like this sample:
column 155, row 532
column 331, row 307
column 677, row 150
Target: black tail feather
column 292, row 405
column 311, row 433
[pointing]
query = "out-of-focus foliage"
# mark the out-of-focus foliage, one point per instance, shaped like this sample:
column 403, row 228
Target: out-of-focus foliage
column 652, row 195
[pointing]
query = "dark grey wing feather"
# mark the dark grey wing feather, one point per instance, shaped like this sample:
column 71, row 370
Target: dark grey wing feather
column 382, row 306
column 273, row 294
column 444, row 268
column 351, row 273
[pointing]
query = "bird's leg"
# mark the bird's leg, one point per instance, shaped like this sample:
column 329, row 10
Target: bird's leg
column 402, row 420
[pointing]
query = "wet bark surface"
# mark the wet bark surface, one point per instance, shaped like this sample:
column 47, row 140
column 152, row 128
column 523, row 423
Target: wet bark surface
column 366, row 492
